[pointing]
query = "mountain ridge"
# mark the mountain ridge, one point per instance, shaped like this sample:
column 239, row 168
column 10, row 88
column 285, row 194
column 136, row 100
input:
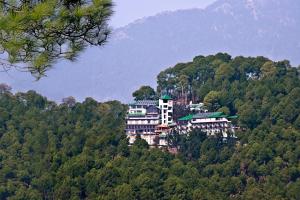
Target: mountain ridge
column 137, row 52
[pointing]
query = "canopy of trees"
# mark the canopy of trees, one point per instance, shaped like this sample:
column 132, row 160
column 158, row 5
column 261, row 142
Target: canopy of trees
column 38, row 33
column 50, row 151
column 144, row 93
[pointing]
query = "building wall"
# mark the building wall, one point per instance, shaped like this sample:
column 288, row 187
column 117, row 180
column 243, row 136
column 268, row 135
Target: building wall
column 211, row 126
column 143, row 121
column 209, row 120
column 166, row 111
column 134, row 111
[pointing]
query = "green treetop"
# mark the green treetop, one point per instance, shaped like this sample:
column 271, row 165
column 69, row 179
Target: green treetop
column 144, row 93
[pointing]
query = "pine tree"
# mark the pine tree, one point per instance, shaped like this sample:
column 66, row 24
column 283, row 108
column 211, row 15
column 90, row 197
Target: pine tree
column 38, row 33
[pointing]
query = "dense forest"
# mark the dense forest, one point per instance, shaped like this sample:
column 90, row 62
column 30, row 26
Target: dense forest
column 79, row 150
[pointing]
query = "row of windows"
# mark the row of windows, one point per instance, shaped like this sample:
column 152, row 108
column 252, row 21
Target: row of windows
column 211, row 119
column 140, row 127
column 142, row 131
column 142, row 121
column 211, row 123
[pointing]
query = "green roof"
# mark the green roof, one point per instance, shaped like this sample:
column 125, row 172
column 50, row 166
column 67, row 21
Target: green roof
column 233, row 117
column 224, row 116
column 166, row 97
column 207, row 115
column 216, row 115
column 186, row 118
column 137, row 114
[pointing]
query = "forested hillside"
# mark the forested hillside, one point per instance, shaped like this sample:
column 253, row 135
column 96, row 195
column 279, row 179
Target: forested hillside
column 79, row 150
column 259, row 90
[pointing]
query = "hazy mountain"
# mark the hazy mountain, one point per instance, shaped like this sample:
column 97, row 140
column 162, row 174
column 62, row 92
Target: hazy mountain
column 138, row 52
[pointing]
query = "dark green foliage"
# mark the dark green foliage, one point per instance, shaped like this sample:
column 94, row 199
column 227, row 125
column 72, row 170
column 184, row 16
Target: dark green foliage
column 180, row 111
column 140, row 143
column 144, row 93
column 191, row 144
column 50, row 151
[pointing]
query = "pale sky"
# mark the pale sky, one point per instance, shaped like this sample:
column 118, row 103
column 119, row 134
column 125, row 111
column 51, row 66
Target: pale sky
column 127, row 11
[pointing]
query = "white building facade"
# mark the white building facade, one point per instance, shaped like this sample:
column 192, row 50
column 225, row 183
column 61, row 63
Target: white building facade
column 211, row 123
column 166, row 110
column 153, row 122
column 146, row 118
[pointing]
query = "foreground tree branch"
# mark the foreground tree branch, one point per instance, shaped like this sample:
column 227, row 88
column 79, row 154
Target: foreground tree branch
column 40, row 32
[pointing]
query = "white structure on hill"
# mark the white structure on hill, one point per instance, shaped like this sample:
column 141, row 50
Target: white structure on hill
column 198, row 107
column 166, row 110
column 209, row 122
column 151, row 120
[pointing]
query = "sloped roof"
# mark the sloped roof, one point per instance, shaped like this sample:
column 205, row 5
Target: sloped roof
column 233, row 117
column 203, row 115
column 186, row 118
column 207, row 115
column 166, row 97
column 136, row 114
column 216, row 115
